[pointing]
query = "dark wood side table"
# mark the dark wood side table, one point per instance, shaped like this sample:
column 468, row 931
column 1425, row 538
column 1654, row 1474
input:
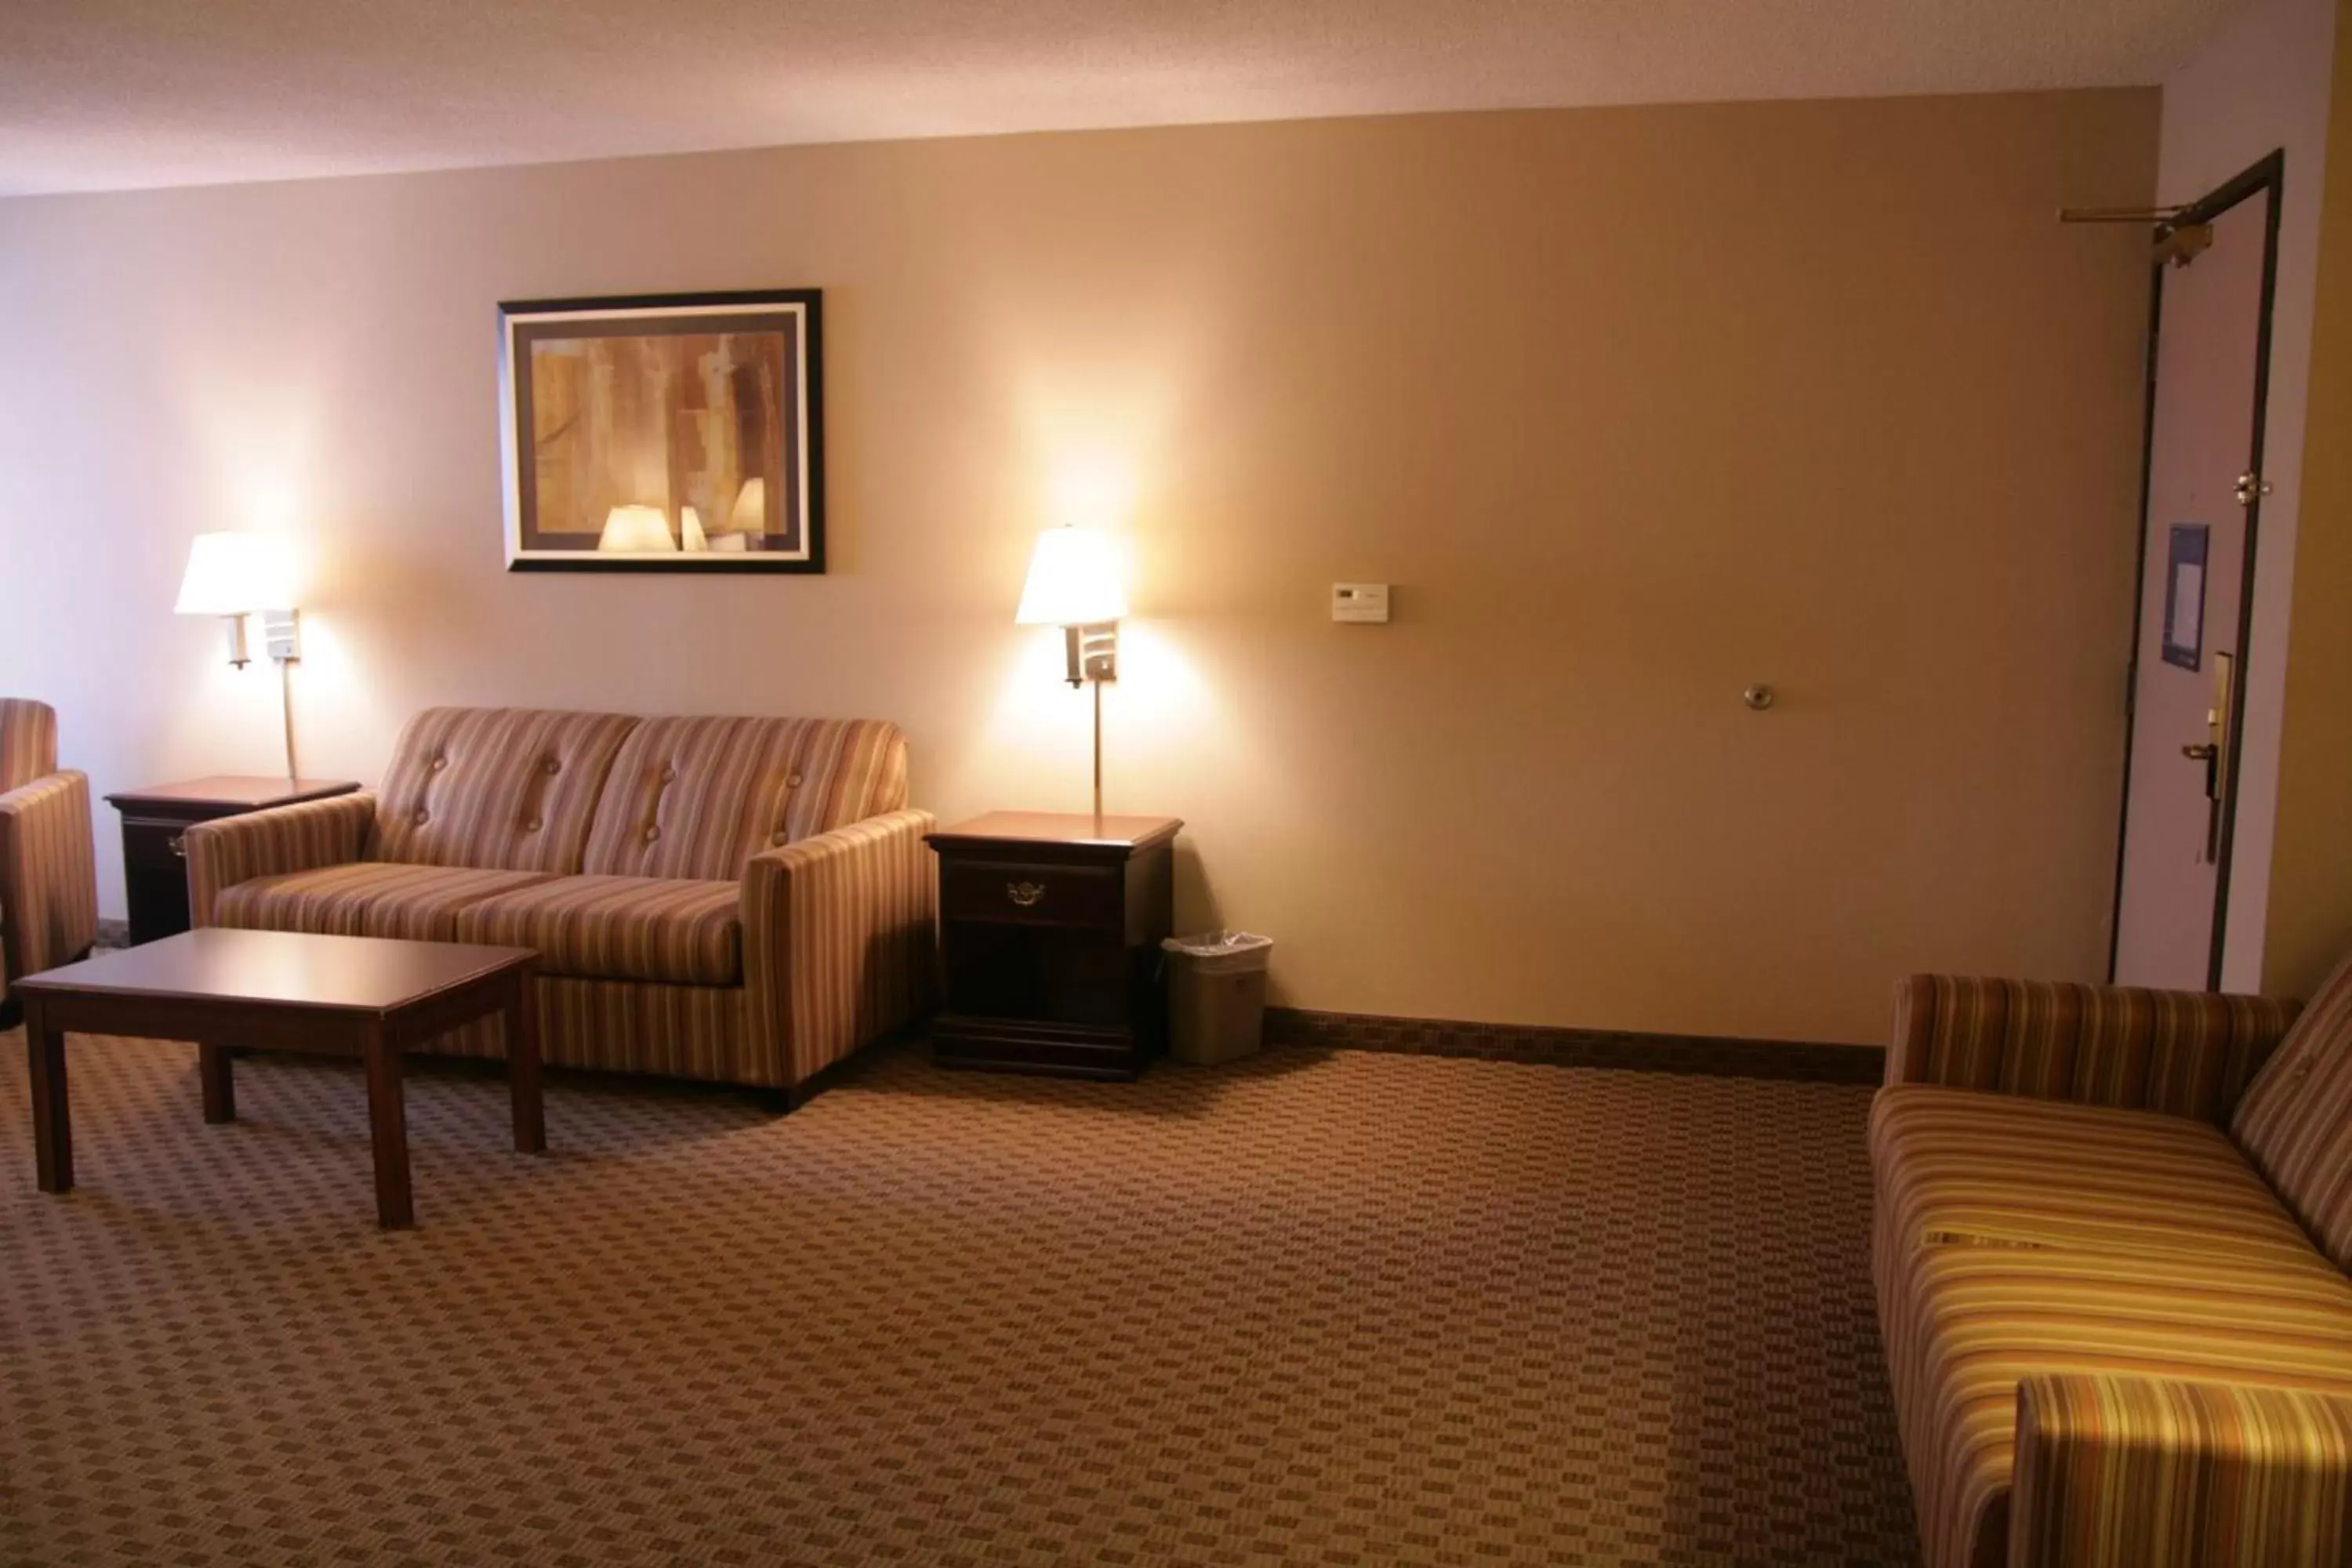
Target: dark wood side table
column 1049, row 942
column 155, row 867
column 286, row 991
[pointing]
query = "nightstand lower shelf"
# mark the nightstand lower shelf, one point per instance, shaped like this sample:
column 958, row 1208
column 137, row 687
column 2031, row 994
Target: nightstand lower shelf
column 1060, row 1050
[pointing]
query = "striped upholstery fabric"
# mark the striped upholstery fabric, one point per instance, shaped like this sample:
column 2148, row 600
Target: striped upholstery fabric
column 48, row 875
column 631, row 1026
column 499, row 789
column 743, row 899
column 838, row 938
column 1960, row 1168
column 2296, row 1120
column 619, row 928
column 2142, row 1472
column 698, row 797
column 2187, row 1053
column 29, row 741
column 368, row 898
column 273, row 843
column 2016, row 1237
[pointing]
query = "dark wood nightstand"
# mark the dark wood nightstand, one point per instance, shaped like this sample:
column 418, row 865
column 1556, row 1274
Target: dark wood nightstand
column 1049, row 942
column 154, row 866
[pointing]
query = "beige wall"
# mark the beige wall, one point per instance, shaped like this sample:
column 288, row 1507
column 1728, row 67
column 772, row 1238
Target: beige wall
column 2311, row 877
column 1633, row 406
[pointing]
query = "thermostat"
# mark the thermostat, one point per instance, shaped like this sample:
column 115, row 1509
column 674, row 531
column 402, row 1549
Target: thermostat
column 1359, row 602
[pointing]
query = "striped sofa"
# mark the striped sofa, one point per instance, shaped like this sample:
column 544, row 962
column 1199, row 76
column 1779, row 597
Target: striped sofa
column 2111, row 1242
column 745, row 901
column 49, row 861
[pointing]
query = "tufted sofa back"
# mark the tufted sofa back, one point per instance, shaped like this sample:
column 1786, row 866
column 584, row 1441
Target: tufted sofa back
column 518, row 789
column 29, row 741
column 497, row 789
column 698, row 797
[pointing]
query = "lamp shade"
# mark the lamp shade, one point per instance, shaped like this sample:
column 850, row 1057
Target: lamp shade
column 636, row 530
column 1073, row 580
column 751, row 510
column 234, row 575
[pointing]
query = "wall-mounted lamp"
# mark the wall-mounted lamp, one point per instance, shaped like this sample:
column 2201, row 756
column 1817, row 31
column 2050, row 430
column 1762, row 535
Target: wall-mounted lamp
column 233, row 575
column 1074, row 584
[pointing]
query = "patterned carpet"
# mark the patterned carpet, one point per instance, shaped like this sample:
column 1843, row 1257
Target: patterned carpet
column 1343, row 1308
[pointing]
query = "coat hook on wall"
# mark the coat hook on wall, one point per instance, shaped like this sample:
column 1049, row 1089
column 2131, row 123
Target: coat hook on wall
column 1759, row 697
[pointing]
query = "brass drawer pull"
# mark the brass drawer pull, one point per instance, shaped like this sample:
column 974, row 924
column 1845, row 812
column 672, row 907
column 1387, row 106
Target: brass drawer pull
column 180, row 845
column 1026, row 894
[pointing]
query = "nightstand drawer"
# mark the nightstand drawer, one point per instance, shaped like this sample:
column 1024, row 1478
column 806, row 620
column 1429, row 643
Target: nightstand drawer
column 1031, row 894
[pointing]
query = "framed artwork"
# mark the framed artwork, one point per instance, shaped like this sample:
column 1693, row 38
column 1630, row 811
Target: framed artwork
column 2184, row 595
column 664, row 433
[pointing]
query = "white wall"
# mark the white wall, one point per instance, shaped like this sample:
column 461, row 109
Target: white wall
column 2260, row 85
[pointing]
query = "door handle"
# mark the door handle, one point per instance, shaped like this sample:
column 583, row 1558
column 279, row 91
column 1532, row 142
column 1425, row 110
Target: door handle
column 2210, row 756
column 2217, row 755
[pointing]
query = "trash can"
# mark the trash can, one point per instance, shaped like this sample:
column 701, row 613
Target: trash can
column 1216, row 995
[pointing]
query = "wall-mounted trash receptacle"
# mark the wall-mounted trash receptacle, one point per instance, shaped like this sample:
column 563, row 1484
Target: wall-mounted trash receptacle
column 1216, row 995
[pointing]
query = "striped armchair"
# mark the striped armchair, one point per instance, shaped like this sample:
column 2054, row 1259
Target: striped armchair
column 2112, row 1236
column 49, row 863
column 745, row 901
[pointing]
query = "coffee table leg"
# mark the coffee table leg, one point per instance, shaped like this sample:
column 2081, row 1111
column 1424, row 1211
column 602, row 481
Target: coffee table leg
column 214, row 1066
column 522, row 1067
column 44, row 1055
column 388, row 1131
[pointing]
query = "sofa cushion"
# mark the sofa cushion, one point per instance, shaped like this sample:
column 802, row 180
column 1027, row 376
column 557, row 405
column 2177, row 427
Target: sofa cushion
column 2296, row 1119
column 696, row 798
column 2017, row 1236
column 364, row 898
column 619, row 928
column 504, row 789
column 1959, row 1167
column 1973, row 1321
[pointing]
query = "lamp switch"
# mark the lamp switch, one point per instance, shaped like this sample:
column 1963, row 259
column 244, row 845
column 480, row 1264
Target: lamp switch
column 1359, row 602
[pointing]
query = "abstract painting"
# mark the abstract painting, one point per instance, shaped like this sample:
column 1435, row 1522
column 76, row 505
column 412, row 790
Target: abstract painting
column 676, row 433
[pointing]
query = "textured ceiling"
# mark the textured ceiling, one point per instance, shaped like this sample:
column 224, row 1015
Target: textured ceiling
column 98, row 94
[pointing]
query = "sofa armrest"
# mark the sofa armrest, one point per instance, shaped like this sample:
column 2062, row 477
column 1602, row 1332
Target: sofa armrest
column 2123, row 1471
column 303, row 837
column 839, row 931
column 2188, row 1053
column 48, row 875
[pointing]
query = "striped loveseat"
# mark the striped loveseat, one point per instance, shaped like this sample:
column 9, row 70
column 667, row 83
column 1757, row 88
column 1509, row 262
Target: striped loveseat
column 746, row 900
column 2111, row 1243
column 48, row 862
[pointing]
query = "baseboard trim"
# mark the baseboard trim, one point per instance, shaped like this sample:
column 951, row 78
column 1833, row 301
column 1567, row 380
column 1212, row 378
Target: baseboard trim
column 1708, row 1055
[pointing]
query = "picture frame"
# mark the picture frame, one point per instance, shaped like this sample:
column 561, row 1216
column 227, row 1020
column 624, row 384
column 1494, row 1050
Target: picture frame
column 2184, row 594
column 664, row 433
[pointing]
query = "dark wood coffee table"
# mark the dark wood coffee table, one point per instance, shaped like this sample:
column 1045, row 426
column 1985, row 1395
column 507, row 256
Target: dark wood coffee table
column 336, row 995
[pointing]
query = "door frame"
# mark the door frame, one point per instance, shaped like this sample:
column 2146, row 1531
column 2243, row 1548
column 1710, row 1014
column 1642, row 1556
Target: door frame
column 2266, row 176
